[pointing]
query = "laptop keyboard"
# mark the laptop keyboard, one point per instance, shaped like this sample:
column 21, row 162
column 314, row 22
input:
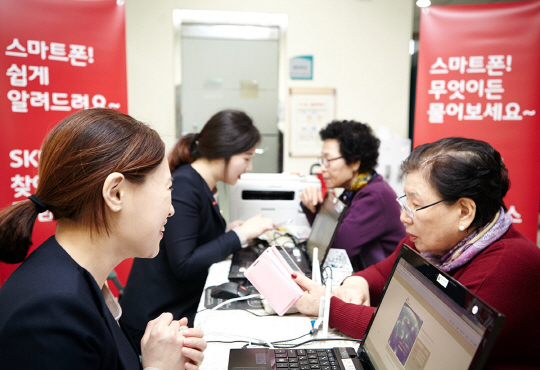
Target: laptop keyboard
column 305, row 359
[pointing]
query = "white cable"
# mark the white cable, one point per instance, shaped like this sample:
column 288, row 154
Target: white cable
column 249, row 339
column 236, row 300
column 242, row 299
column 200, row 325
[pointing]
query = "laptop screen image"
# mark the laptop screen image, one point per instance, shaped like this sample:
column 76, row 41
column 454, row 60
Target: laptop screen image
column 419, row 325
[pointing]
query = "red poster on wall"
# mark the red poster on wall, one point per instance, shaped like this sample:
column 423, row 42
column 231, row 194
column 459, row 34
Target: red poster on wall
column 57, row 57
column 478, row 77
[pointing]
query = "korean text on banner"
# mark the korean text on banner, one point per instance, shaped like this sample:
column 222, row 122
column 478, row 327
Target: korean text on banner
column 57, row 57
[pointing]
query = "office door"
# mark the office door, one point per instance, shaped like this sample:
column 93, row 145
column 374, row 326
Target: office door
column 232, row 67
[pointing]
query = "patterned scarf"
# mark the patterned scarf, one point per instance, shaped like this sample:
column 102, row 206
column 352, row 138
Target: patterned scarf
column 361, row 181
column 471, row 245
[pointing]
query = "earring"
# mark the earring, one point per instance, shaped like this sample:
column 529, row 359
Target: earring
column 117, row 209
column 461, row 228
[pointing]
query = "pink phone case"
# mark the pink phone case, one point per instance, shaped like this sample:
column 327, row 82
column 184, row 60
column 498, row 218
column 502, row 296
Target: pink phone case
column 271, row 275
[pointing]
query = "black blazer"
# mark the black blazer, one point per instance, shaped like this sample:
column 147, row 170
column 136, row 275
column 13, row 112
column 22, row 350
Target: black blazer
column 53, row 316
column 194, row 239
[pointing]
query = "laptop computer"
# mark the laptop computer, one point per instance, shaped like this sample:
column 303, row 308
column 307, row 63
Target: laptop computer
column 323, row 232
column 424, row 320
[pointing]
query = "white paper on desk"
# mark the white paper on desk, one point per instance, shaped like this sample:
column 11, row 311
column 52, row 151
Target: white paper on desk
column 271, row 275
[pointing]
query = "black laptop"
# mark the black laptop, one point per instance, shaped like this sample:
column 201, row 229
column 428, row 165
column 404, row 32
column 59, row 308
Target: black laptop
column 425, row 320
column 323, row 232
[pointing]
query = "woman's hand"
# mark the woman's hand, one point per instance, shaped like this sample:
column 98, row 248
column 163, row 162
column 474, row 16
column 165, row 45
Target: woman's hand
column 161, row 344
column 308, row 304
column 257, row 225
column 169, row 344
column 355, row 289
column 193, row 345
column 311, row 197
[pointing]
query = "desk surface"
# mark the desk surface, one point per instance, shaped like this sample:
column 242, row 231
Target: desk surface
column 230, row 325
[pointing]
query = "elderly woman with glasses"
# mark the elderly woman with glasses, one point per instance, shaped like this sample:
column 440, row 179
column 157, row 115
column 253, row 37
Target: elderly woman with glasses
column 455, row 216
column 371, row 228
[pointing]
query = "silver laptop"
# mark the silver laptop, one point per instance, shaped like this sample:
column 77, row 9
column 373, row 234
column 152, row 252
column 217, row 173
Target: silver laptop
column 425, row 320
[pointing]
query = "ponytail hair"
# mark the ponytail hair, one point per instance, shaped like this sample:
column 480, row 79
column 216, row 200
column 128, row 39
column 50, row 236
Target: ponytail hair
column 227, row 133
column 184, row 152
column 16, row 225
column 76, row 158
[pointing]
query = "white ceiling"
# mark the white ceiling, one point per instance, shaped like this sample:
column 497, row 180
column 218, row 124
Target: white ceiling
column 416, row 20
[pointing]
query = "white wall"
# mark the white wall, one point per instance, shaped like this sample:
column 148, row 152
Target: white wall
column 359, row 47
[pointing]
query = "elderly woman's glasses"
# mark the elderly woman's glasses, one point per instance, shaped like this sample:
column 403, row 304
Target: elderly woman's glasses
column 402, row 200
column 323, row 161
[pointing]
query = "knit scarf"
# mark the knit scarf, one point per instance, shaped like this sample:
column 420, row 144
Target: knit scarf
column 472, row 244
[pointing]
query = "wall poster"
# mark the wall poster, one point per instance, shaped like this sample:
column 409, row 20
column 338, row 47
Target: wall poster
column 311, row 110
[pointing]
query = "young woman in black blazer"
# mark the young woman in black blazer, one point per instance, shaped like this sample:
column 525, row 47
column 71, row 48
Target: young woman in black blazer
column 105, row 178
column 196, row 235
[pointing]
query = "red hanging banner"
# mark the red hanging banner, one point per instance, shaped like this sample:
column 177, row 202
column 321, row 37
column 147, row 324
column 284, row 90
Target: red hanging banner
column 57, row 57
column 478, row 77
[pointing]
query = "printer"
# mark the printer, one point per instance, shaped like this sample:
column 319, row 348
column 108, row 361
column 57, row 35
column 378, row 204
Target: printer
column 274, row 195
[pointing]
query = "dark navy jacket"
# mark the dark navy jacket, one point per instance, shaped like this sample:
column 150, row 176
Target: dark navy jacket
column 53, row 316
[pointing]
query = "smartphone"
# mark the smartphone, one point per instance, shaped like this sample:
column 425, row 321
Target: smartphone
column 287, row 257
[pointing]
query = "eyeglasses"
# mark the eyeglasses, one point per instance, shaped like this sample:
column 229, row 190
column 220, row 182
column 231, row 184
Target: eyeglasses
column 402, row 200
column 323, row 161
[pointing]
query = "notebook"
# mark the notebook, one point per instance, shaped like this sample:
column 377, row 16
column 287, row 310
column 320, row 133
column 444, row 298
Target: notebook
column 323, row 232
column 424, row 320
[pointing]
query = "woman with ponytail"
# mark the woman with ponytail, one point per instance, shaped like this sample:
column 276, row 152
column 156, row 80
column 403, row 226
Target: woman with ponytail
column 198, row 235
column 105, row 178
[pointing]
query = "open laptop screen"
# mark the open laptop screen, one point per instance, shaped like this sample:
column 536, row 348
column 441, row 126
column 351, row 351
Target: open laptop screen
column 418, row 326
column 325, row 226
